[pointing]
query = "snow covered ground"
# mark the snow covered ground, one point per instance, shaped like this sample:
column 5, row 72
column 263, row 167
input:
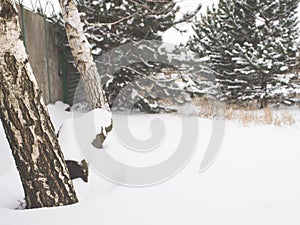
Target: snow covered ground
column 254, row 180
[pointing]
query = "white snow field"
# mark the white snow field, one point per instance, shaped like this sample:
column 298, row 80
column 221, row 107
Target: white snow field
column 253, row 181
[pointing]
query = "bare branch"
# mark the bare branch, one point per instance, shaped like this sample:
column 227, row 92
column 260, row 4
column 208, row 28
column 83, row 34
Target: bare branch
column 112, row 23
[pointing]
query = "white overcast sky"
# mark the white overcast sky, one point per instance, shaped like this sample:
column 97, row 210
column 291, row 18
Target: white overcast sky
column 174, row 37
column 47, row 5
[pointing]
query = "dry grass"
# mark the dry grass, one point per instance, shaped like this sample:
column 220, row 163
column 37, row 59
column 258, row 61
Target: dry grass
column 205, row 108
column 246, row 114
column 263, row 116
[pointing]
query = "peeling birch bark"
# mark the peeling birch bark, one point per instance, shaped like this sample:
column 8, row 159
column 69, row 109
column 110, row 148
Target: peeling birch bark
column 30, row 133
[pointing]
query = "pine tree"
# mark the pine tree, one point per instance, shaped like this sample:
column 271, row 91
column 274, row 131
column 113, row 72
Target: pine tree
column 213, row 40
column 273, row 51
column 249, row 43
column 110, row 24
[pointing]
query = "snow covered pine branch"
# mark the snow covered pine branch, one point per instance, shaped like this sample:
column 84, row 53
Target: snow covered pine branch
column 81, row 51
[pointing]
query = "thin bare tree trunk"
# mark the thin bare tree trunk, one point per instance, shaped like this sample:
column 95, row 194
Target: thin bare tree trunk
column 30, row 133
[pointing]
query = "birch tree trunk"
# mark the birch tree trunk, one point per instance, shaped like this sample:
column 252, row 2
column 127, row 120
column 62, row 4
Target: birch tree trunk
column 30, row 133
column 81, row 51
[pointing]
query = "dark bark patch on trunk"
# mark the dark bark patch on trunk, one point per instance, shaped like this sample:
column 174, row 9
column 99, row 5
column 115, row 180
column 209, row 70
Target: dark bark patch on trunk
column 7, row 11
column 25, row 113
column 11, row 62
